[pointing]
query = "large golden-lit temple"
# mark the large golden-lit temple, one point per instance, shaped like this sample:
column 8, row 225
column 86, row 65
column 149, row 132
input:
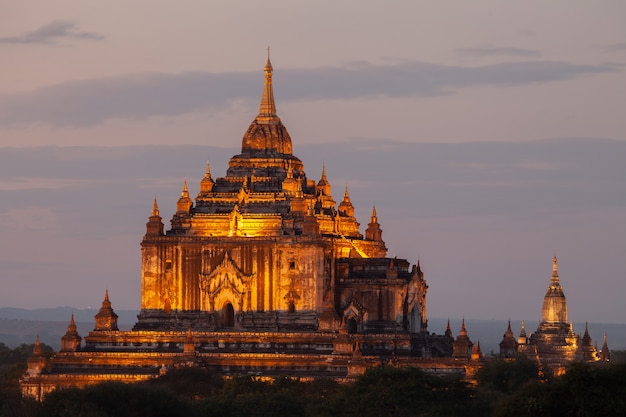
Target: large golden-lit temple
column 265, row 274
column 554, row 344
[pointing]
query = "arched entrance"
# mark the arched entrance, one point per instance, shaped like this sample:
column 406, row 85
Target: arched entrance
column 415, row 320
column 227, row 315
column 351, row 325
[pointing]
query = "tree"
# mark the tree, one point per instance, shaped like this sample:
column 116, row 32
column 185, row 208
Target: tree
column 506, row 375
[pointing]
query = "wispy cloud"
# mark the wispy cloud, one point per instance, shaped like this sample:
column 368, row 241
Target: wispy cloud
column 30, row 218
column 492, row 51
column 32, row 183
column 616, row 47
column 139, row 96
column 51, row 33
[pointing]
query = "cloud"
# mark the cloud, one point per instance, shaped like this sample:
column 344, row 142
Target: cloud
column 139, row 96
column 41, row 183
column 491, row 51
column 616, row 47
column 29, row 219
column 52, row 32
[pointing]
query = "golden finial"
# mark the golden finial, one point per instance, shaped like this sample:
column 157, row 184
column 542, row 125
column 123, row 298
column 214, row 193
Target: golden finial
column 185, row 192
column 37, row 348
column 155, row 207
column 374, row 218
column 268, row 64
column 555, row 270
column 267, row 108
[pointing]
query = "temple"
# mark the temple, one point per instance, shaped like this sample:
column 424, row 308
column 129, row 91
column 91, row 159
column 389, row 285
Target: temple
column 262, row 273
column 554, row 344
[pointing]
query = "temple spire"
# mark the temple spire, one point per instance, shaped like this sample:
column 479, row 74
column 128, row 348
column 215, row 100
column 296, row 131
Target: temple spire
column 185, row 192
column 605, row 355
column 448, row 331
column 266, row 134
column 37, row 348
column 522, row 339
column 555, row 271
column 155, row 207
column 463, row 330
column 267, row 108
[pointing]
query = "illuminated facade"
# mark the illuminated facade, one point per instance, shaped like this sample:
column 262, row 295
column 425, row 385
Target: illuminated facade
column 262, row 273
column 554, row 344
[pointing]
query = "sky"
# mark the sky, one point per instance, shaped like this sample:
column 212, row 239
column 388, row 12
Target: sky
column 490, row 135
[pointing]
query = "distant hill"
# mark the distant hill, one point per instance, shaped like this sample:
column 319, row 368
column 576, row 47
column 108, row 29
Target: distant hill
column 63, row 314
column 19, row 326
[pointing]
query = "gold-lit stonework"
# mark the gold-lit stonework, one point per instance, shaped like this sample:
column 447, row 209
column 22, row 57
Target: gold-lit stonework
column 262, row 273
column 554, row 344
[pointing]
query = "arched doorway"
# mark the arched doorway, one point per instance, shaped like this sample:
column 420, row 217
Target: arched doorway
column 227, row 315
column 415, row 320
column 351, row 325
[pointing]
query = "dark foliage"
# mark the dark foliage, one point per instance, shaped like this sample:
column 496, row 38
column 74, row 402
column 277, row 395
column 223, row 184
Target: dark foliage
column 12, row 366
column 506, row 388
column 113, row 399
column 506, row 375
column 618, row 356
column 584, row 391
column 191, row 383
column 406, row 392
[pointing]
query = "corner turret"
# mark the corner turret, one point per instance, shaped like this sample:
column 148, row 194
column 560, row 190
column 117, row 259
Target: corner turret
column 207, row 183
column 184, row 202
column 345, row 207
column 37, row 362
column 154, row 227
column 70, row 342
column 373, row 231
column 323, row 186
column 106, row 319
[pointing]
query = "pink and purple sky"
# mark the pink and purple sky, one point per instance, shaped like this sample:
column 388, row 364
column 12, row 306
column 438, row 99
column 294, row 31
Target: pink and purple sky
column 489, row 135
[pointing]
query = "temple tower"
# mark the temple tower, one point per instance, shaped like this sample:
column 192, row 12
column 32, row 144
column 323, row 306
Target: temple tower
column 508, row 345
column 463, row 346
column 554, row 343
column 554, row 303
